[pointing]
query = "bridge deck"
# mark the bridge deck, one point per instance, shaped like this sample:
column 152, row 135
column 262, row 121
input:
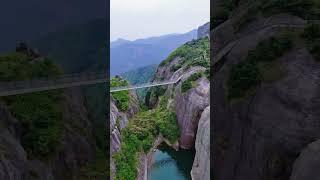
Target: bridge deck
column 44, row 84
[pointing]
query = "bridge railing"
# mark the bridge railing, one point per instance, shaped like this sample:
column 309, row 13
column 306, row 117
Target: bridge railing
column 52, row 81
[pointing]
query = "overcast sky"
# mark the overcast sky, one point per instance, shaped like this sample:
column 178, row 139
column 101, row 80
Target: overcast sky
column 134, row 19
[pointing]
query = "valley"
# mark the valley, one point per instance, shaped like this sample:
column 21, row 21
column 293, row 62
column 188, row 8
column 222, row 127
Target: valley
column 164, row 126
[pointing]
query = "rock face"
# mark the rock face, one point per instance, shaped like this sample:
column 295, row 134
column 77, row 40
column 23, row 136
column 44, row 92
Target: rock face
column 118, row 121
column 260, row 136
column 204, row 30
column 75, row 151
column 189, row 107
column 308, row 163
column 201, row 165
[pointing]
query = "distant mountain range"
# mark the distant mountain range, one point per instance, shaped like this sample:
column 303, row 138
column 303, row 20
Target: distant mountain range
column 127, row 55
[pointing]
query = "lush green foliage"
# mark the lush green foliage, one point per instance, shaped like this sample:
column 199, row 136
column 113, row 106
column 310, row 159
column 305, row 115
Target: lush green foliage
column 139, row 76
column 307, row 9
column 243, row 76
column 39, row 113
column 41, row 116
column 188, row 84
column 18, row 66
column 175, row 67
column 270, row 49
column 312, row 36
column 195, row 50
column 139, row 136
column 247, row 75
column 122, row 97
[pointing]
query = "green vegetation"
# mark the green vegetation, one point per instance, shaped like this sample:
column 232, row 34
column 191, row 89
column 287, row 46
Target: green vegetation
column 139, row 136
column 188, row 84
column 139, row 76
column 247, row 75
column 41, row 117
column 307, row 9
column 122, row 97
column 207, row 74
column 175, row 67
column 39, row 113
column 191, row 52
column 18, row 66
column 312, row 36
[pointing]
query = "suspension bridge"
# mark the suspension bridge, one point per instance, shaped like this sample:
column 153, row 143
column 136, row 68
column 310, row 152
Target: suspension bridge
column 8, row 88
column 145, row 85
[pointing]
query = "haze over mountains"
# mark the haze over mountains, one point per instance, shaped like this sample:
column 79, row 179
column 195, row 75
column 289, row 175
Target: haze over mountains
column 127, row 55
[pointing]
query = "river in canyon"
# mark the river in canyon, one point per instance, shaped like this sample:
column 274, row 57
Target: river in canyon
column 168, row 164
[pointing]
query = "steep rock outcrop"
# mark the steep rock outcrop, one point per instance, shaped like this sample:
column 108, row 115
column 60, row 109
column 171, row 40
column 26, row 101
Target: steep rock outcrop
column 260, row 136
column 77, row 146
column 118, row 121
column 189, row 107
column 204, row 30
column 308, row 163
column 201, row 165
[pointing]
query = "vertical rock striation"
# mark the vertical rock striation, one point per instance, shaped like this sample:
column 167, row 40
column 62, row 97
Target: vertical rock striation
column 201, row 165
column 118, row 121
column 189, row 107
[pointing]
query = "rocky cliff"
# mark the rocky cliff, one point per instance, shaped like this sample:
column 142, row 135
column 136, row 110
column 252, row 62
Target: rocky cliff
column 201, row 165
column 190, row 96
column 47, row 135
column 266, row 93
column 204, row 30
column 118, row 121
column 76, row 149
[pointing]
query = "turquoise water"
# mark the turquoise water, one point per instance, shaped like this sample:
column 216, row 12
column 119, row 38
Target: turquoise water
column 169, row 164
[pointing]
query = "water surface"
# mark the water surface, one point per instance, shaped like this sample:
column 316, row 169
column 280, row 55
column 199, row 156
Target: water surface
column 169, row 164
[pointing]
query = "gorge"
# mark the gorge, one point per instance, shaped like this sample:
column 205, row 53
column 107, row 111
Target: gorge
column 170, row 117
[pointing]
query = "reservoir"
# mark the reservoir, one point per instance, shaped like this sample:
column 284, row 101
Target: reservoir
column 168, row 164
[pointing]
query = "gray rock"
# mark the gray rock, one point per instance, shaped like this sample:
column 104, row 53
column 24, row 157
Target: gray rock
column 118, row 121
column 189, row 107
column 201, row 164
column 204, row 30
column 260, row 136
column 308, row 163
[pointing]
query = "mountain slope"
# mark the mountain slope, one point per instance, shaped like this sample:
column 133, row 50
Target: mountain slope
column 143, row 52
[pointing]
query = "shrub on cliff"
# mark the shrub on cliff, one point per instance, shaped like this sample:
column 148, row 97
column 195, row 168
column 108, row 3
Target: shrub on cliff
column 140, row 134
column 188, row 84
column 122, row 97
column 312, row 36
column 246, row 75
column 39, row 113
column 192, row 51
